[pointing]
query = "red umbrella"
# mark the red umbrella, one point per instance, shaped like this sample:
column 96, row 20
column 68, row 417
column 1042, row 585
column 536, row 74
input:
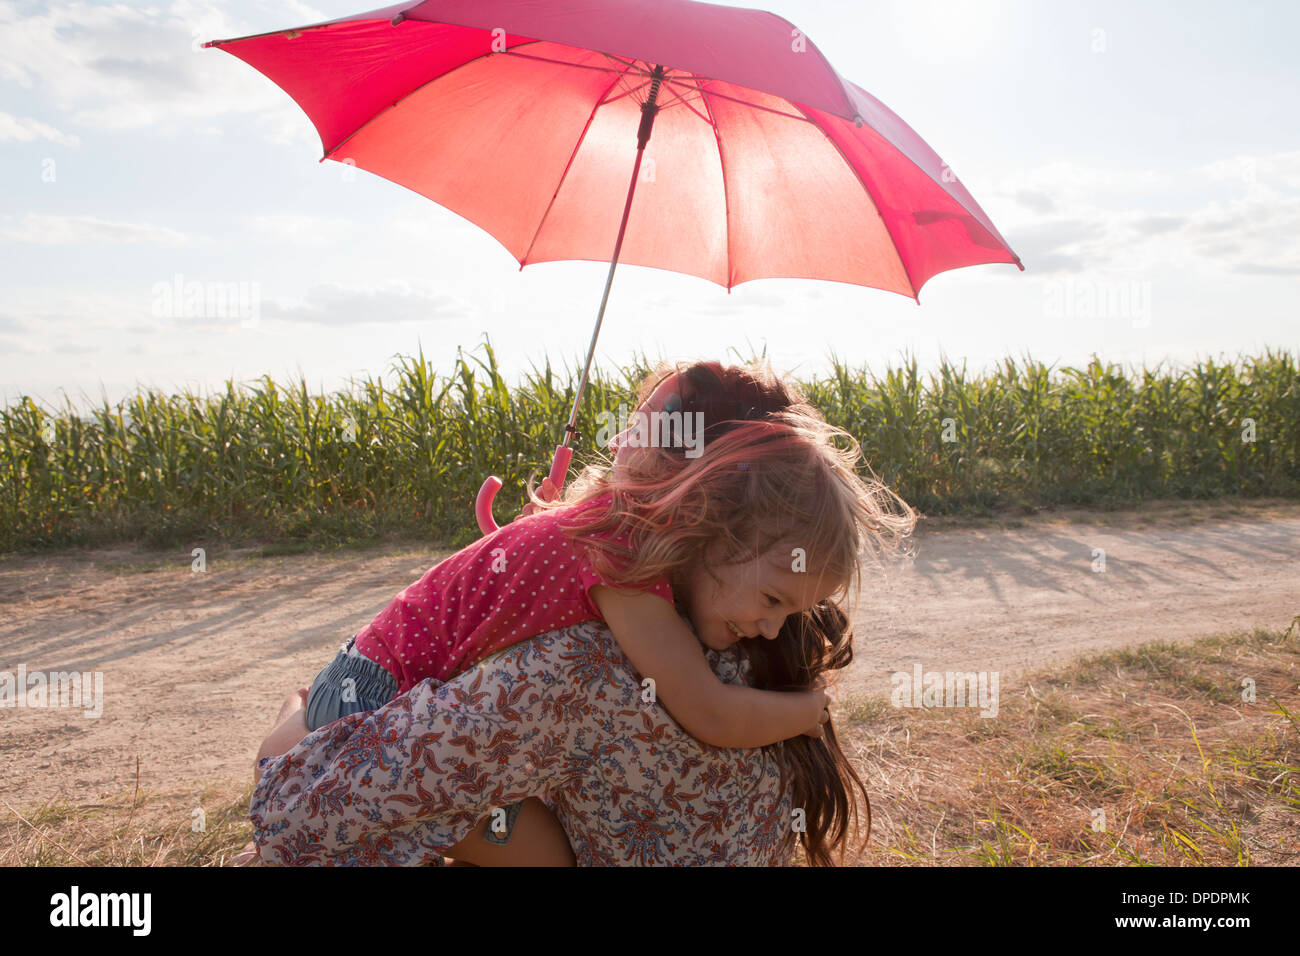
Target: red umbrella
column 519, row 114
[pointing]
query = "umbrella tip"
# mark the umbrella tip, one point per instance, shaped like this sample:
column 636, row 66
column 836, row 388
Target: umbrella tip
column 857, row 120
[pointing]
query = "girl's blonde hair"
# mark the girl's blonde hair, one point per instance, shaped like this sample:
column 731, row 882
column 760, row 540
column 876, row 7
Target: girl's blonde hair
column 772, row 474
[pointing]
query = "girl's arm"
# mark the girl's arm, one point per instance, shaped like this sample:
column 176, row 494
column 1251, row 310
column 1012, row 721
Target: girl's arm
column 660, row 646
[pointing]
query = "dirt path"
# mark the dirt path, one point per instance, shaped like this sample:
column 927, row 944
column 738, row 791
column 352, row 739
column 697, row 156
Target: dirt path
column 1011, row 600
column 195, row 664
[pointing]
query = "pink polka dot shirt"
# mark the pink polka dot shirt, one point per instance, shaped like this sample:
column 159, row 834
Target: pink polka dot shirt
column 526, row 578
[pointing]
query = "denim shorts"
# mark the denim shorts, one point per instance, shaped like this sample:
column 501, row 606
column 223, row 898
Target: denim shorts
column 367, row 685
column 349, row 684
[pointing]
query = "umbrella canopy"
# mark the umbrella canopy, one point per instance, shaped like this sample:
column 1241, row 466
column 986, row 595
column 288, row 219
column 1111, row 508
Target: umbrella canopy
column 519, row 116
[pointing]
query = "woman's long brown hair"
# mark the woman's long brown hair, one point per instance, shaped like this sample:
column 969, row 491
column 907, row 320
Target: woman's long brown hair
column 819, row 775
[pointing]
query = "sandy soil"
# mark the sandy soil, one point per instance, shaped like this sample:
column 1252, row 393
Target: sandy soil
column 196, row 663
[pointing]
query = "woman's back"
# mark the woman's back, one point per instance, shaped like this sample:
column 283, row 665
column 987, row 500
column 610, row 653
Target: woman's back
column 561, row 716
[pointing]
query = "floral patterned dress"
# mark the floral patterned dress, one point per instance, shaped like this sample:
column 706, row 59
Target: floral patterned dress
column 562, row 717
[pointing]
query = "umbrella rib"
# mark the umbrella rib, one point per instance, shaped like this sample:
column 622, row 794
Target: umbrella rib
column 803, row 117
column 722, row 166
column 580, row 66
column 664, row 104
column 560, row 184
column 628, row 90
column 683, row 100
column 335, row 148
column 627, row 64
column 667, row 80
column 374, row 116
column 874, row 205
column 615, row 99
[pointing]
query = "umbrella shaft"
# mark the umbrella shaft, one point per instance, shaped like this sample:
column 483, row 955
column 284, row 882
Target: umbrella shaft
column 648, row 110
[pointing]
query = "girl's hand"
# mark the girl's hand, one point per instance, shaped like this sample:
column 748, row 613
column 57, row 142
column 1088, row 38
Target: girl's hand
column 824, row 700
column 546, row 493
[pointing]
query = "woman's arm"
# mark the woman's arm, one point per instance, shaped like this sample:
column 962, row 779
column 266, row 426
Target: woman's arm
column 628, row 785
column 660, row 646
column 402, row 784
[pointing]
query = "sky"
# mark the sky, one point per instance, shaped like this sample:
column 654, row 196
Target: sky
column 1136, row 155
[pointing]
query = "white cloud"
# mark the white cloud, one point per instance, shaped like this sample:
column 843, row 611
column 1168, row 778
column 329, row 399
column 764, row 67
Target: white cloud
column 41, row 320
column 1279, row 170
column 300, row 230
column 25, row 129
column 753, row 298
column 1237, row 215
column 419, row 229
column 947, row 31
column 11, row 323
column 68, row 230
column 119, row 67
column 305, row 12
column 393, row 301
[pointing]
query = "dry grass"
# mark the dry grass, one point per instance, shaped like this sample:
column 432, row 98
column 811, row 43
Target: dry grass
column 129, row 829
column 1156, row 737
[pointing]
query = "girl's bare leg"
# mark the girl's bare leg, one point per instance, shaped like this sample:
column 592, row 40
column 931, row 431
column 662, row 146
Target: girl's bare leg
column 537, row 840
column 290, row 727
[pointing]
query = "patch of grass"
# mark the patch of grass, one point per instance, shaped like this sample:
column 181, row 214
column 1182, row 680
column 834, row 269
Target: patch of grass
column 858, row 708
column 1146, row 756
column 137, row 829
column 1010, row 845
column 1060, row 764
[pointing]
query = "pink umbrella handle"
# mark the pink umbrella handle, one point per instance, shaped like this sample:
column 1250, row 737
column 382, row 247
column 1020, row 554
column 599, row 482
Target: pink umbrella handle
column 560, row 466
column 492, row 484
column 483, row 504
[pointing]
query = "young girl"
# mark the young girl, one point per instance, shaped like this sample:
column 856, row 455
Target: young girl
column 765, row 521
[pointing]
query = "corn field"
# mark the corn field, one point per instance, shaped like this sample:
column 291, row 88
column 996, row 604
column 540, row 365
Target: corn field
column 277, row 463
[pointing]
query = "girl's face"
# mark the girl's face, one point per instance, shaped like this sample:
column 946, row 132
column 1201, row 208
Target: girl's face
column 753, row 599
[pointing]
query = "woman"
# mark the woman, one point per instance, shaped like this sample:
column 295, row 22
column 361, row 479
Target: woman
column 583, row 722
column 563, row 717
